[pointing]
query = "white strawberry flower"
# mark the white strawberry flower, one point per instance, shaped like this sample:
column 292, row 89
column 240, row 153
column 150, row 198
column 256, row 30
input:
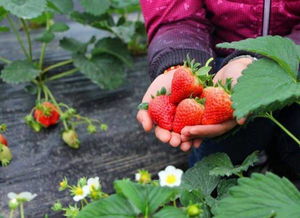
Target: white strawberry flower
column 93, row 183
column 22, row 197
column 170, row 177
column 80, row 192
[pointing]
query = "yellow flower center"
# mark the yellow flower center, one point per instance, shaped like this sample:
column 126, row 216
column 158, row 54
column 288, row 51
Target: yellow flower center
column 171, row 179
column 78, row 191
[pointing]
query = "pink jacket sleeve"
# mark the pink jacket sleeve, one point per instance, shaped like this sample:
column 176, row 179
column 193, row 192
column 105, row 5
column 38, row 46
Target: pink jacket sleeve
column 175, row 28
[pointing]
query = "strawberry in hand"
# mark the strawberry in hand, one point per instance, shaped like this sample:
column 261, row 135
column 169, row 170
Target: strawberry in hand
column 161, row 110
column 218, row 105
column 189, row 80
column 189, row 112
column 46, row 114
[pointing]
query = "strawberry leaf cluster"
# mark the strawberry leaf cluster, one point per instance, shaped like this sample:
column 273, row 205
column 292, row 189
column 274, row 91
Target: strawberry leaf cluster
column 269, row 83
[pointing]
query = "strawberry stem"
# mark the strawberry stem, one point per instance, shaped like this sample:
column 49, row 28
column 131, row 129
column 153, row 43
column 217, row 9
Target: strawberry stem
column 271, row 117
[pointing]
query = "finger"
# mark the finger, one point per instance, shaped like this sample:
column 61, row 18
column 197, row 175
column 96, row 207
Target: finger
column 175, row 139
column 203, row 131
column 162, row 134
column 185, row 146
column 144, row 118
column 197, row 142
column 218, row 76
column 241, row 121
column 185, row 138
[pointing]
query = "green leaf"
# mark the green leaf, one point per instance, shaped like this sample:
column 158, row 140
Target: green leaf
column 61, row 6
column 4, row 29
column 224, row 186
column 264, row 87
column 170, row 212
column 104, row 70
column 190, row 197
column 19, row 71
column 124, row 32
column 260, row 196
column 26, row 9
column 145, row 197
column 198, row 178
column 115, row 206
column 227, row 169
column 59, row 27
column 114, row 47
column 95, row 7
column 45, row 37
column 282, row 50
column 74, row 45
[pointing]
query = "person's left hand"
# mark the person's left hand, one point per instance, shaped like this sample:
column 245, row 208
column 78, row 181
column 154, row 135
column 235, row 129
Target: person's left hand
column 197, row 133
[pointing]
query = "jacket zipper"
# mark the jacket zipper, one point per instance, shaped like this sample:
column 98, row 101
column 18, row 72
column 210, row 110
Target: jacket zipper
column 266, row 17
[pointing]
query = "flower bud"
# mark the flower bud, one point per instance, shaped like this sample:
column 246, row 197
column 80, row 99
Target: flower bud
column 13, row 204
column 194, row 210
column 57, row 206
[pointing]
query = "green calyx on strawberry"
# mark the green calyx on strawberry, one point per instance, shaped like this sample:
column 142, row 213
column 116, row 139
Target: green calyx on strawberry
column 218, row 104
column 3, row 128
column 5, row 155
column 46, row 114
column 70, row 137
column 189, row 112
column 30, row 121
column 189, row 80
column 160, row 109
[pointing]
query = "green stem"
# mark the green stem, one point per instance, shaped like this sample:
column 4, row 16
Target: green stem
column 39, row 93
column 63, row 74
column 18, row 36
column 47, row 90
column 59, row 64
column 22, row 210
column 27, row 33
column 42, row 56
column 5, row 60
column 240, row 174
column 270, row 116
column 44, row 45
column 11, row 214
column 174, row 203
column 147, row 212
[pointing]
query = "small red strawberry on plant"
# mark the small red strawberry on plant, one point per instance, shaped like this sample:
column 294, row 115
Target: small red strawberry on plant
column 3, row 140
column 189, row 112
column 189, row 80
column 218, row 105
column 160, row 109
column 46, row 114
column 5, row 153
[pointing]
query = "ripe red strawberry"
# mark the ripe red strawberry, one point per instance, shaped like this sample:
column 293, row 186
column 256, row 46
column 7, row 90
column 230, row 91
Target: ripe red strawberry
column 188, row 80
column 217, row 106
column 3, row 140
column 161, row 110
column 189, row 112
column 46, row 114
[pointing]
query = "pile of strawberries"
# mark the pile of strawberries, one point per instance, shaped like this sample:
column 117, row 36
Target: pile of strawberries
column 193, row 100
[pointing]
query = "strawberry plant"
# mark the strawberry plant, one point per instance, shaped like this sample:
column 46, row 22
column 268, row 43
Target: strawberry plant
column 101, row 60
column 117, row 18
column 269, row 83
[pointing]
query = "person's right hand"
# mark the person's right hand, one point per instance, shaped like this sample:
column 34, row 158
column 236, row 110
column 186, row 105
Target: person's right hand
column 174, row 139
